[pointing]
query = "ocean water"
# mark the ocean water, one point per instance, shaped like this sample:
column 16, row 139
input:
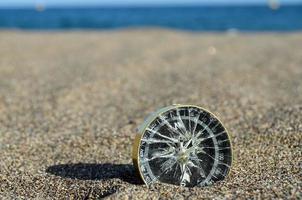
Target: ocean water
column 194, row 18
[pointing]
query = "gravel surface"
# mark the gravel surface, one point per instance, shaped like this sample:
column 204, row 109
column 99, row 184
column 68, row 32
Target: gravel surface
column 70, row 103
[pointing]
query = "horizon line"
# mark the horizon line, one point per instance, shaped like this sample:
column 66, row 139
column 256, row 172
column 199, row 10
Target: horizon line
column 154, row 5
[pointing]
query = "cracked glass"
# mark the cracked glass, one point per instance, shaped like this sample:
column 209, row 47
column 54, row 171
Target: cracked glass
column 185, row 146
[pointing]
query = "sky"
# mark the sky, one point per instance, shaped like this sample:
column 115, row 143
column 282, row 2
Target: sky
column 22, row 3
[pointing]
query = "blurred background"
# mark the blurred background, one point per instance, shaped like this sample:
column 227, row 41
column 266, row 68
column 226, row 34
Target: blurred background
column 193, row 15
column 77, row 77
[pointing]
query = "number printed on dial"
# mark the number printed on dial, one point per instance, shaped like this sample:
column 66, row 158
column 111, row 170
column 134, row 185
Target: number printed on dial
column 184, row 145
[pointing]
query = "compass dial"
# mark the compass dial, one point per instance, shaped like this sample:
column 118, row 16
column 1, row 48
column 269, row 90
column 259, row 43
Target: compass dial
column 182, row 145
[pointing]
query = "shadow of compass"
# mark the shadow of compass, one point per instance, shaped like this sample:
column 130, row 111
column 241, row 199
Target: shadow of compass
column 91, row 171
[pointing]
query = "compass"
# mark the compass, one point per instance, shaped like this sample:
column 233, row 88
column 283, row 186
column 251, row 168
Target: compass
column 183, row 145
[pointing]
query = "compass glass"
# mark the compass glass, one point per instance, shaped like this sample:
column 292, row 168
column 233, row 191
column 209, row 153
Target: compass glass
column 184, row 145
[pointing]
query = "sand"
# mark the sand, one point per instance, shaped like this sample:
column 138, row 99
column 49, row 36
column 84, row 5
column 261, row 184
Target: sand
column 70, row 103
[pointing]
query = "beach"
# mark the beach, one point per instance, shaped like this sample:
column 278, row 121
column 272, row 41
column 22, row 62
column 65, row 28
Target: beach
column 70, row 103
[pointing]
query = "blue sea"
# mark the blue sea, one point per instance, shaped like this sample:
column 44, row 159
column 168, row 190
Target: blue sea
column 191, row 18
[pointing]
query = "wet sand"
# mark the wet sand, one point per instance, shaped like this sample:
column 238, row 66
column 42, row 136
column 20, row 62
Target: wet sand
column 70, row 103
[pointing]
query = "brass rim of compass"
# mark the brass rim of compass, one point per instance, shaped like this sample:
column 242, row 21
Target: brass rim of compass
column 137, row 140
